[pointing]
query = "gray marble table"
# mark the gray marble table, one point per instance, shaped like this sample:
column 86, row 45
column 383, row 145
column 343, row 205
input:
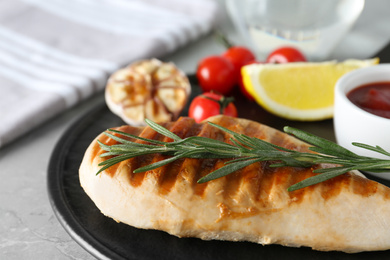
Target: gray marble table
column 28, row 227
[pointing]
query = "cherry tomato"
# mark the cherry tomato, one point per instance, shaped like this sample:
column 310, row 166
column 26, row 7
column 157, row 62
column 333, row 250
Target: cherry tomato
column 285, row 55
column 239, row 56
column 216, row 73
column 210, row 104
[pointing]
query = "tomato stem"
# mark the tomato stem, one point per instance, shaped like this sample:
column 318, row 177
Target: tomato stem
column 221, row 38
column 223, row 102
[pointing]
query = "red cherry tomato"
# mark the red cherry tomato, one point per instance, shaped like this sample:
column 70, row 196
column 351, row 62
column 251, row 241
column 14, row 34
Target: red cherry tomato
column 216, row 73
column 209, row 104
column 285, row 55
column 239, row 56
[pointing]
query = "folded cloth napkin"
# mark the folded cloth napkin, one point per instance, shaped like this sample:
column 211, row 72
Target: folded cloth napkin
column 55, row 53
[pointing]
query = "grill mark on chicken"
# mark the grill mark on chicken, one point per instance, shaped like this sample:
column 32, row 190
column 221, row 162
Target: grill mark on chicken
column 206, row 166
column 231, row 186
column 265, row 184
column 297, row 175
column 108, row 141
column 266, row 179
column 96, row 150
column 190, row 167
column 136, row 179
column 328, row 189
column 171, row 172
column 253, row 177
column 260, row 177
column 185, row 127
column 203, row 167
column 364, row 187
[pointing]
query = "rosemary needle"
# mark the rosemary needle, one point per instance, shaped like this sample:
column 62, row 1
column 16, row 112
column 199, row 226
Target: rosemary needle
column 243, row 151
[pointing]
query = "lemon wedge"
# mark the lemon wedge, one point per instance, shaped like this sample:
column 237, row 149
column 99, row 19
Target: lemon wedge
column 298, row 91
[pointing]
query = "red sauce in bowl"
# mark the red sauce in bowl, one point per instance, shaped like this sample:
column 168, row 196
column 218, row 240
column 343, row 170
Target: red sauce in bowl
column 373, row 98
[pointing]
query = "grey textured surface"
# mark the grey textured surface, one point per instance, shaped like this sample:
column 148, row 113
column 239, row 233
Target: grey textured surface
column 28, row 227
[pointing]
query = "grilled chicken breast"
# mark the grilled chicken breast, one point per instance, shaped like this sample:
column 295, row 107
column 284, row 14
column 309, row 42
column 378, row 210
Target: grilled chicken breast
column 348, row 213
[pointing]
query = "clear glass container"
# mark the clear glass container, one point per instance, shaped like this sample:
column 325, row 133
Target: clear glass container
column 313, row 26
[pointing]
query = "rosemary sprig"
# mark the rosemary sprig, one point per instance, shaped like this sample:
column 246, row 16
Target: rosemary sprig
column 244, row 151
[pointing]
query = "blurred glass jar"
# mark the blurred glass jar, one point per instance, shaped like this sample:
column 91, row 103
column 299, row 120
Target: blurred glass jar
column 313, row 26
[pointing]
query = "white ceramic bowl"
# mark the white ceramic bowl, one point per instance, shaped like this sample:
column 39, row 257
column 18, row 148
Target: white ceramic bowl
column 353, row 124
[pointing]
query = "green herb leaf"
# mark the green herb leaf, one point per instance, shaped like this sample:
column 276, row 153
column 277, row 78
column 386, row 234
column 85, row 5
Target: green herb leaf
column 162, row 130
column 326, row 174
column 228, row 169
column 322, row 145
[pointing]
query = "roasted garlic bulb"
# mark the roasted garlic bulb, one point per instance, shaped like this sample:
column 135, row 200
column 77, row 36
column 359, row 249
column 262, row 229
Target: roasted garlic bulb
column 147, row 89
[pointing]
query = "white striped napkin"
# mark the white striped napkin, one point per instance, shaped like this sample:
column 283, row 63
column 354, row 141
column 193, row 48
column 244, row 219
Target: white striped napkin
column 55, row 53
